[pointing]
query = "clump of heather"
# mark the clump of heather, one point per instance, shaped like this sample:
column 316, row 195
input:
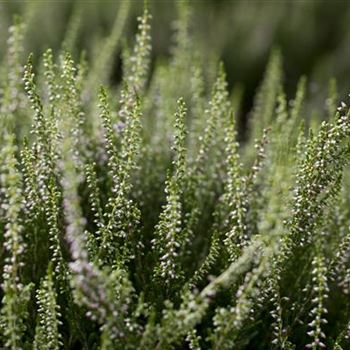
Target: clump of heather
column 131, row 217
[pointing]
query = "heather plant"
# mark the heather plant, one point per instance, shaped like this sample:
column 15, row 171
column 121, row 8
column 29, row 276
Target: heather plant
column 135, row 216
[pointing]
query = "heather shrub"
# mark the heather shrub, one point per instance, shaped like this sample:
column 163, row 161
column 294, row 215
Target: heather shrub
column 131, row 217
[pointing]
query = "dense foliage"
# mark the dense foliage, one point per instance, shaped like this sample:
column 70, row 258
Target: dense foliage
column 131, row 217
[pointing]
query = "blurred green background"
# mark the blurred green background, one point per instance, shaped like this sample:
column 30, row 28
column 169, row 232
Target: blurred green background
column 314, row 36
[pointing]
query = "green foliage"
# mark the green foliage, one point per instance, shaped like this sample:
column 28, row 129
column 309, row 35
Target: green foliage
column 47, row 335
column 133, row 218
column 169, row 236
